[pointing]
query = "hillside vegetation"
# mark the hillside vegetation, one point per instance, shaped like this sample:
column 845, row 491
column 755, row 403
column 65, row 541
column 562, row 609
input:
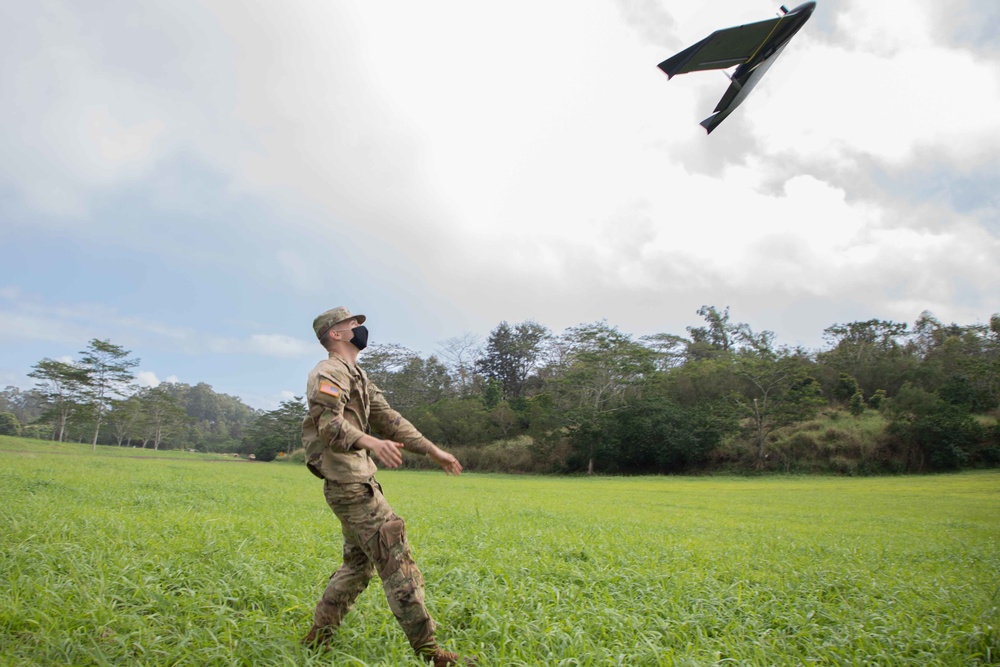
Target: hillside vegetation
column 881, row 397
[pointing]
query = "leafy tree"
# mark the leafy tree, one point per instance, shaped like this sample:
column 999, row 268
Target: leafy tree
column 602, row 369
column 492, row 394
column 504, row 418
column 381, row 361
column 857, row 404
column 61, row 386
column 602, row 366
column 405, row 379
column 935, row 433
column 9, row 424
column 124, row 417
column 420, row 382
column 200, row 402
column 929, row 333
column 874, row 352
column 26, row 406
column 718, row 335
column 161, row 415
column 647, row 435
column 109, row 374
column 455, row 421
column 701, row 381
column 459, row 355
column 777, row 390
column 216, row 422
column 512, row 354
column 670, row 350
column 960, row 363
column 846, row 387
column 877, row 399
column 721, row 337
column 278, row 430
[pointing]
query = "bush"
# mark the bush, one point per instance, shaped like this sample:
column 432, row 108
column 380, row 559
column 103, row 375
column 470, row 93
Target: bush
column 938, row 434
column 846, row 387
column 650, row 436
column 795, row 451
column 989, row 453
column 8, row 424
column 877, row 399
column 857, row 404
column 298, row 456
column 267, row 449
column 455, row 421
column 506, row 456
column 959, row 390
column 522, row 455
column 37, row 431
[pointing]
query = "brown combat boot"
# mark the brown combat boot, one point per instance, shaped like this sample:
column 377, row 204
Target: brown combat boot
column 439, row 658
column 319, row 637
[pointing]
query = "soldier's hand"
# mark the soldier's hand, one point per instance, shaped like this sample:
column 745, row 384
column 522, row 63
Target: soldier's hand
column 386, row 451
column 447, row 462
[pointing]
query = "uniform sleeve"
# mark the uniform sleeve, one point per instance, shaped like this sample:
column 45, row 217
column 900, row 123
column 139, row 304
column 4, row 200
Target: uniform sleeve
column 327, row 394
column 392, row 426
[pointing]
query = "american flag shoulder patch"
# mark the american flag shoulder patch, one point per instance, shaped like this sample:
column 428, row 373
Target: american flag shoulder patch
column 329, row 389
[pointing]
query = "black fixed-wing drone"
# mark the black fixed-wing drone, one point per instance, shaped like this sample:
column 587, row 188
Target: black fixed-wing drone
column 752, row 48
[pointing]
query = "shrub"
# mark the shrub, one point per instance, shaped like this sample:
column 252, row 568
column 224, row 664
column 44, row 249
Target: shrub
column 939, row 434
column 8, row 424
column 857, row 404
column 846, row 387
column 455, row 421
column 649, row 436
column 267, row 450
column 877, row 399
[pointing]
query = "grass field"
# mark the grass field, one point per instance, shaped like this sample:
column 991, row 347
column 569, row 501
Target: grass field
column 106, row 559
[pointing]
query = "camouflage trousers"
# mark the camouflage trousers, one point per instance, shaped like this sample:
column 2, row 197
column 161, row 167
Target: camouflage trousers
column 374, row 540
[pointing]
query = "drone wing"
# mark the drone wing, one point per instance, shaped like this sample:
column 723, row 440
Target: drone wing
column 737, row 92
column 722, row 49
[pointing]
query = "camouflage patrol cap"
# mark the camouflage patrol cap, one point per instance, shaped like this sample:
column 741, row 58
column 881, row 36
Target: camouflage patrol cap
column 331, row 318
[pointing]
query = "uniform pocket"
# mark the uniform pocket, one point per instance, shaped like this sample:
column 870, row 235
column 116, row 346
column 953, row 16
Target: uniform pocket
column 390, row 548
column 350, row 493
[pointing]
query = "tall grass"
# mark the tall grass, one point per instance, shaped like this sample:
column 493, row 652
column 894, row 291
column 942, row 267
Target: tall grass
column 112, row 560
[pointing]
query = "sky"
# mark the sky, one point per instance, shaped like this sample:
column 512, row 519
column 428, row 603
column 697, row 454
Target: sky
column 197, row 180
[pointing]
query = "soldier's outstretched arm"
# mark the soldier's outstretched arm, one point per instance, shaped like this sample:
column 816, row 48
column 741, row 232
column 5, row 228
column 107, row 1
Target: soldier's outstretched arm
column 386, row 451
column 447, row 461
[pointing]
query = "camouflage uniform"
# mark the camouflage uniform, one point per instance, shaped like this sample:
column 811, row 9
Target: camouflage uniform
column 343, row 404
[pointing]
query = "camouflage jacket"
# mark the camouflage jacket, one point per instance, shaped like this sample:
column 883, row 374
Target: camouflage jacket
column 343, row 406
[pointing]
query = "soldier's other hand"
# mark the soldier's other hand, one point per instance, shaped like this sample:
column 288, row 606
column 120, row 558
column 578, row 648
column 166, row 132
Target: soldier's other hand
column 447, row 462
column 387, row 452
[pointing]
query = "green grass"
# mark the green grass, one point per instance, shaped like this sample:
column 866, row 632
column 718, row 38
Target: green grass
column 109, row 560
column 28, row 446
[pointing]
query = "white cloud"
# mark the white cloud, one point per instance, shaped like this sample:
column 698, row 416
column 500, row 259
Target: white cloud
column 268, row 401
column 19, row 326
column 278, row 345
column 841, row 103
column 147, row 379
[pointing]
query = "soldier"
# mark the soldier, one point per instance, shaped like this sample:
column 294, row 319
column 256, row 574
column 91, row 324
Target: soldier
column 343, row 402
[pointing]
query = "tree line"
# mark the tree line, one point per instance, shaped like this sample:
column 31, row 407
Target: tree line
column 720, row 397
column 596, row 399
column 95, row 399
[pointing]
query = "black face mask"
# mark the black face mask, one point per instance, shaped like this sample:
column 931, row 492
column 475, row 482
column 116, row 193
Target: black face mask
column 360, row 339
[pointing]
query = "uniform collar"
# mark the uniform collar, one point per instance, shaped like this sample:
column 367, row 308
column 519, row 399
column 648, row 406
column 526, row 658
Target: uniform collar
column 353, row 367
